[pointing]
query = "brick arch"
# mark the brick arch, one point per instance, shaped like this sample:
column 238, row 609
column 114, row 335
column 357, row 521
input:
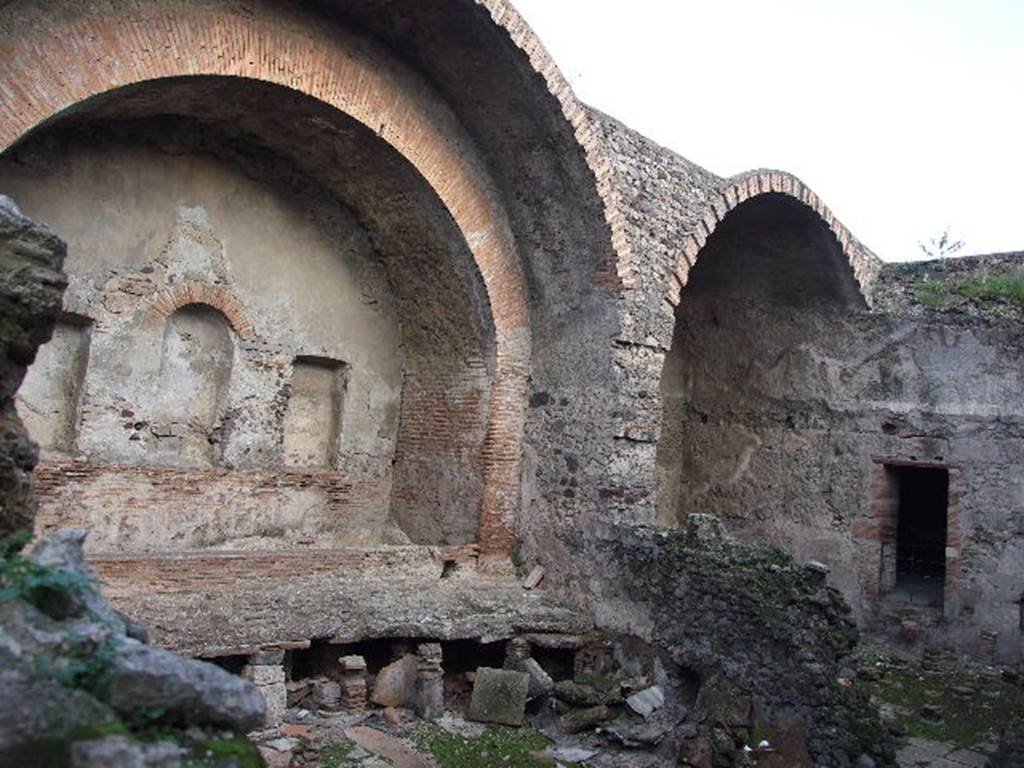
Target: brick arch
column 193, row 292
column 738, row 190
column 49, row 68
column 584, row 128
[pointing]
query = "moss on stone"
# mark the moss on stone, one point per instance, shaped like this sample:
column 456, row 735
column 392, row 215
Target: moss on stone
column 219, row 753
column 966, row 722
column 753, row 616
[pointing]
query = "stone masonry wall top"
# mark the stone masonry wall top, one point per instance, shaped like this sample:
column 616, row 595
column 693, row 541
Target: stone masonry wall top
column 988, row 287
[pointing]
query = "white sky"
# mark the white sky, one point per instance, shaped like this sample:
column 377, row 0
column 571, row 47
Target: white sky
column 904, row 115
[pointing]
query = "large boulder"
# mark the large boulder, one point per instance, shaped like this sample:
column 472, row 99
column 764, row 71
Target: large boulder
column 63, row 551
column 66, row 672
column 145, row 678
column 38, row 716
column 395, row 685
column 31, row 288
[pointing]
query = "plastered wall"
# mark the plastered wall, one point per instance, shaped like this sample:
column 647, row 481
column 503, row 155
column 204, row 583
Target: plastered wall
column 782, row 402
column 199, row 298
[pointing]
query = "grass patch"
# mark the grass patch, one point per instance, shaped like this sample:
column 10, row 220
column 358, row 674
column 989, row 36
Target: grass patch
column 336, row 755
column 931, row 294
column 967, row 722
column 216, row 753
column 1008, row 288
column 496, row 746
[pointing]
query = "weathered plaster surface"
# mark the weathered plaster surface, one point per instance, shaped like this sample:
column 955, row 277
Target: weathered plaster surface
column 190, row 390
column 780, row 399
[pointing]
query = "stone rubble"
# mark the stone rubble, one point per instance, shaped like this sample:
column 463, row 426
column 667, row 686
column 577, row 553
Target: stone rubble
column 95, row 676
column 499, row 696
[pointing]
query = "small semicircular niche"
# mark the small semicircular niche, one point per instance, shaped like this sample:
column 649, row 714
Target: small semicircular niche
column 193, row 386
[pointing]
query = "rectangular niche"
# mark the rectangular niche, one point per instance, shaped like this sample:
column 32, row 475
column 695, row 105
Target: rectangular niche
column 50, row 399
column 312, row 421
column 916, row 552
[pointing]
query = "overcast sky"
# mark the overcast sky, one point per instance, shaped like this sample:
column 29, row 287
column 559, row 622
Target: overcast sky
column 904, row 115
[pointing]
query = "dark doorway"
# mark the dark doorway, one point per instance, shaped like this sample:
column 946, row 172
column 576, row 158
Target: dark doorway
column 921, row 533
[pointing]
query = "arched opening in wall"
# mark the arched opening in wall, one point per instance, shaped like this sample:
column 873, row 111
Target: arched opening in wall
column 293, row 343
column 191, row 397
column 746, row 388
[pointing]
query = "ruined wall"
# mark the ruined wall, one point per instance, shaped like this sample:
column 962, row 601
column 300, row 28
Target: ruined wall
column 200, row 300
column 782, row 410
column 783, row 397
column 767, row 638
column 350, row 103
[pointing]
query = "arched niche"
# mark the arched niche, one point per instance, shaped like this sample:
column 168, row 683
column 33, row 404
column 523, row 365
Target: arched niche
column 742, row 384
column 318, row 242
column 196, row 358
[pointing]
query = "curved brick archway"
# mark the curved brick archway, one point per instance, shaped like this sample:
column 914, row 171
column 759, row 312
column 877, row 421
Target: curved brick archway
column 864, row 264
column 587, row 133
column 51, row 68
column 631, row 487
column 194, row 292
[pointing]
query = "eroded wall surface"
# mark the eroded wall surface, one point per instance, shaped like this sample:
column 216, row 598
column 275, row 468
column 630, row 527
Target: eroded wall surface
column 782, row 411
column 202, row 305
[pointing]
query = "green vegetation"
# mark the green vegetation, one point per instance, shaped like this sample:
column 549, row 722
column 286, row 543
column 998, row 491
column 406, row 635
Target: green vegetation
column 99, row 731
column 518, row 564
column 1009, row 288
column 507, row 747
column 218, row 753
column 967, row 721
column 51, row 590
column 336, row 755
column 88, row 674
column 931, row 294
column 982, row 289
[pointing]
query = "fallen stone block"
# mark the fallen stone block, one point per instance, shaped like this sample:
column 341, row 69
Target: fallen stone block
column 327, row 694
column 142, row 677
column 34, row 709
column 499, row 696
column 569, row 754
column 398, row 752
column 535, row 578
column 541, row 683
column 584, row 695
column 646, row 701
column 578, row 720
column 396, row 684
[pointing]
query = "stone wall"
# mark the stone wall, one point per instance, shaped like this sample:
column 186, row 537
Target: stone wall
column 766, row 638
column 753, row 382
column 473, row 343
column 787, row 414
column 487, row 121
column 198, row 295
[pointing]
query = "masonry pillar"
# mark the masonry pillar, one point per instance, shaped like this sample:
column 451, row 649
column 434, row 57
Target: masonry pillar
column 265, row 670
column 429, row 681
